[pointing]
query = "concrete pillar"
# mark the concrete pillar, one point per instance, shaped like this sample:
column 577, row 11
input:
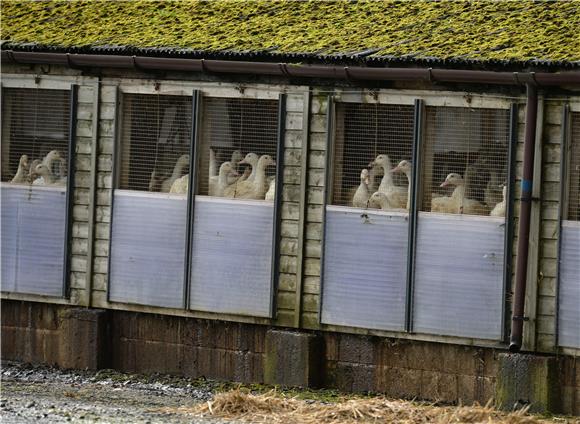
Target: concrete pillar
column 293, row 359
column 525, row 380
column 84, row 339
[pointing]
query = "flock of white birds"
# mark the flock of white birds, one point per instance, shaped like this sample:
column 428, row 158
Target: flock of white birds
column 389, row 196
column 50, row 170
column 224, row 180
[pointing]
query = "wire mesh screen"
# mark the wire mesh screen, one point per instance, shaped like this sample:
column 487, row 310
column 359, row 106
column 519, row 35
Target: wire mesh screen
column 231, row 262
column 574, row 170
column 238, row 149
column 466, row 161
column 370, row 142
column 156, row 135
column 35, row 136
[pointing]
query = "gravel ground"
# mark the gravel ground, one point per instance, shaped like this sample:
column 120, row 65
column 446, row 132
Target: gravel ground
column 33, row 394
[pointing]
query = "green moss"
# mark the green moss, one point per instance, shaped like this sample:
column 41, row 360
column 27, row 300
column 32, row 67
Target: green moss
column 444, row 29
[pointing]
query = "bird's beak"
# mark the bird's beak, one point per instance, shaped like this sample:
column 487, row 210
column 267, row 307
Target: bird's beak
column 444, row 184
column 367, row 180
column 395, row 169
column 242, row 162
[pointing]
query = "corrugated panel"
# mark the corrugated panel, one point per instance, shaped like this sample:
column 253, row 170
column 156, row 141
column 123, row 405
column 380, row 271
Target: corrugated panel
column 365, row 268
column 569, row 289
column 232, row 256
column 33, row 232
column 148, row 249
column 459, row 276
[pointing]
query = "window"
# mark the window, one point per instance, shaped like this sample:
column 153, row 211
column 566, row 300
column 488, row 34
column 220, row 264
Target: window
column 35, row 166
column 569, row 266
column 459, row 258
column 149, row 223
column 233, row 229
column 366, row 220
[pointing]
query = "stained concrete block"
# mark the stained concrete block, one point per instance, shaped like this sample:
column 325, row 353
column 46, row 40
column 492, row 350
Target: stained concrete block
column 84, row 339
column 528, row 380
column 293, row 359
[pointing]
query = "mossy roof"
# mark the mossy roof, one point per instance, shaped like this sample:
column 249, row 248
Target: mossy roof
column 468, row 30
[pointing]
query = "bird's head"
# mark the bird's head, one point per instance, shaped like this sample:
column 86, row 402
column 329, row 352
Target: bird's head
column 404, row 166
column 452, row 179
column 250, row 159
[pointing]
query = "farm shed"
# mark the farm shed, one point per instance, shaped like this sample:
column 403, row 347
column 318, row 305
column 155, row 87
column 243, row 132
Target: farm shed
column 283, row 193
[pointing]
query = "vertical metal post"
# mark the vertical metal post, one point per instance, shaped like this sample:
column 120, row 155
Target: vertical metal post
column 562, row 205
column 328, row 176
column 509, row 217
column 276, row 230
column 70, row 187
column 414, row 210
column 116, row 161
column 517, row 323
column 191, row 190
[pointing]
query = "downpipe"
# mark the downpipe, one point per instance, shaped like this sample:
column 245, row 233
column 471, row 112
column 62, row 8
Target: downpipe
column 518, row 318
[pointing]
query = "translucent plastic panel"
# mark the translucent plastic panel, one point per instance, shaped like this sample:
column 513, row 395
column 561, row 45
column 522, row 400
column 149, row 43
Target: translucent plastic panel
column 232, row 256
column 365, row 268
column 459, row 276
column 33, row 239
column 147, row 257
column 569, row 289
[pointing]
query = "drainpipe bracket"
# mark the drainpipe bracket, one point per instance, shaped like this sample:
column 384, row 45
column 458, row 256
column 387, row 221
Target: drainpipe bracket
column 518, row 318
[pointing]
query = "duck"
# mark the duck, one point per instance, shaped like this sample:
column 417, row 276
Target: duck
column 397, row 195
column 22, row 174
column 180, row 185
column 380, row 200
column 271, row 193
column 46, row 177
column 234, row 161
column 213, row 169
column 180, row 165
column 499, row 209
column 218, row 184
column 252, row 160
column 361, row 196
column 457, row 203
column 255, row 189
column 406, row 167
column 50, row 158
column 32, row 175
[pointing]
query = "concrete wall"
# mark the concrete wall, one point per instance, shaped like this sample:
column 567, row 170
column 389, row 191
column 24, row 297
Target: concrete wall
column 148, row 343
column 298, row 294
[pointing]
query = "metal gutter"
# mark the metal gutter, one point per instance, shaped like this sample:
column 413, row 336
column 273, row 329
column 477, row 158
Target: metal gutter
column 145, row 63
column 524, row 220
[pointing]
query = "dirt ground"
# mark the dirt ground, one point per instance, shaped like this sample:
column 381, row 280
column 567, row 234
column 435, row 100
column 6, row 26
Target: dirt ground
column 47, row 395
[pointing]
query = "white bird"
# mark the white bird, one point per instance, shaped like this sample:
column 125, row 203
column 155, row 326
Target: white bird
column 361, row 196
column 255, row 189
column 499, row 209
column 213, row 168
column 235, row 160
column 406, row 168
column 380, row 200
column 46, row 177
column 457, row 203
column 21, row 175
column 252, row 160
column 32, row 175
column 271, row 193
column 397, row 195
column 178, row 169
column 180, row 185
column 218, row 184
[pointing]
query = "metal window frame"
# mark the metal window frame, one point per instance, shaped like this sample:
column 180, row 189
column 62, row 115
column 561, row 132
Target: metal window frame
column 72, row 88
column 509, row 229
column 565, row 145
column 70, row 187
